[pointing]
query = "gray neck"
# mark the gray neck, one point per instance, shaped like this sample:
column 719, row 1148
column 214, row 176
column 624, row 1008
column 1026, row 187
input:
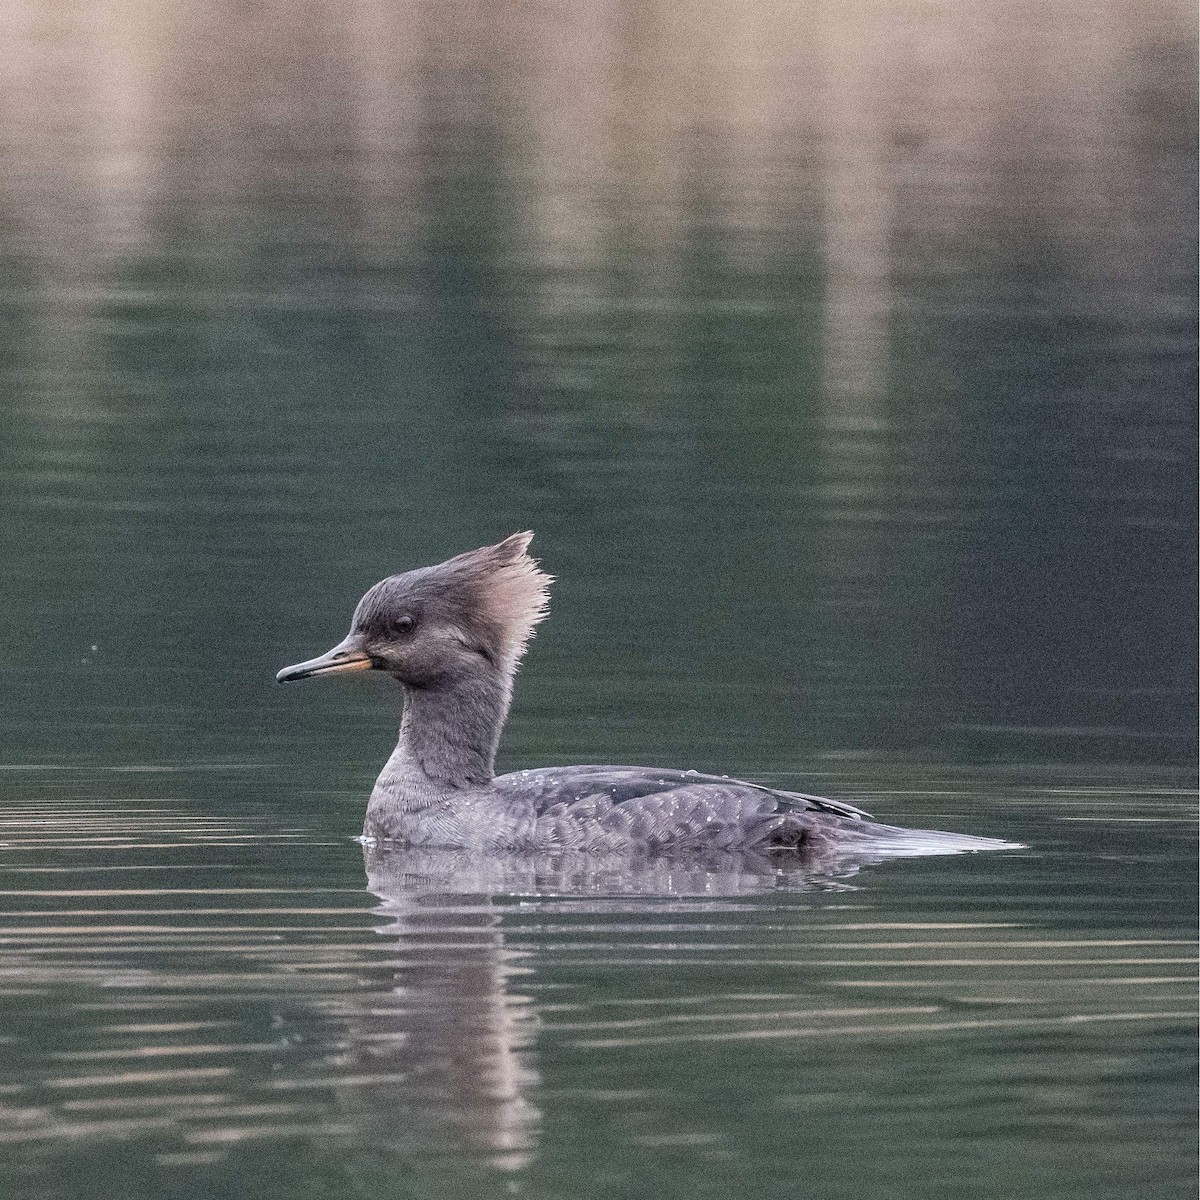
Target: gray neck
column 448, row 736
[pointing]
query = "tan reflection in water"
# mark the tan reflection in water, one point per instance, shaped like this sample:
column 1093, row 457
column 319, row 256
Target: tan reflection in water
column 615, row 128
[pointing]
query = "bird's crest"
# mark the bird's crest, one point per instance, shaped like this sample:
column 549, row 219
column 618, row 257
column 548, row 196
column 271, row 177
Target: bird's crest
column 511, row 590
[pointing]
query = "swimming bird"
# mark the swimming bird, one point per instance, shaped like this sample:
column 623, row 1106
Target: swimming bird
column 452, row 636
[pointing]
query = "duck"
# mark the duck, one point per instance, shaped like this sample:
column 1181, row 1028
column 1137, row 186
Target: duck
column 452, row 636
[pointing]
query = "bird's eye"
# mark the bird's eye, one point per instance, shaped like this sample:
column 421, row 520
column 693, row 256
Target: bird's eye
column 404, row 624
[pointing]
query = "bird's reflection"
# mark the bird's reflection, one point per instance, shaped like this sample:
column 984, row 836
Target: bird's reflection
column 451, row 1044
column 447, row 1056
column 442, row 1058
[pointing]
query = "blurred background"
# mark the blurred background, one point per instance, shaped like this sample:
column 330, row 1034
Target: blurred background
column 842, row 356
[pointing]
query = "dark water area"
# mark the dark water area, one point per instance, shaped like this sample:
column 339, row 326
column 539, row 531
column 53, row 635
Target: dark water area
column 843, row 360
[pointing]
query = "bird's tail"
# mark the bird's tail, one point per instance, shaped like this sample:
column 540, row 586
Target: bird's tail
column 850, row 839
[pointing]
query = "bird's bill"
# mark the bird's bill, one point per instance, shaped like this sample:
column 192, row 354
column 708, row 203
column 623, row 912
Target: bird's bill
column 347, row 655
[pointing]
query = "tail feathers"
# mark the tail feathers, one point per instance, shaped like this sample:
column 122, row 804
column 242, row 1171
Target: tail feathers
column 836, row 839
column 892, row 841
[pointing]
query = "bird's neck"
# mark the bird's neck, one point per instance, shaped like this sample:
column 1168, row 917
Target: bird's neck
column 448, row 736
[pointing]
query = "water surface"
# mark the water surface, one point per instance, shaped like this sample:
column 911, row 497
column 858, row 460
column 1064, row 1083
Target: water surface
column 205, row 998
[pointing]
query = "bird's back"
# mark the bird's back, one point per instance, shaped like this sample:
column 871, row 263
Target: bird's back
column 648, row 808
column 547, row 787
column 606, row 808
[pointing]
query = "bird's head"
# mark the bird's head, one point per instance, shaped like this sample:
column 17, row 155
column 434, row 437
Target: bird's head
column 436, row 626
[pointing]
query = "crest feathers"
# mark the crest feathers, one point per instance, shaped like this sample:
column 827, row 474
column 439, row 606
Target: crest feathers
column 510, row 588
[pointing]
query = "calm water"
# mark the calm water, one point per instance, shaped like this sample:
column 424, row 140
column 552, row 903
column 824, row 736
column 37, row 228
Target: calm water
column 844, row 362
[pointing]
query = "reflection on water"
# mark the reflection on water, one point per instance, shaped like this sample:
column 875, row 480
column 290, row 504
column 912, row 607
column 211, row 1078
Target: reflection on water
column 457, row 1035
column 450, row 1059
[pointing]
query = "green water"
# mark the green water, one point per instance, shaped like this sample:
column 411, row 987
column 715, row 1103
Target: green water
column 844, row 363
